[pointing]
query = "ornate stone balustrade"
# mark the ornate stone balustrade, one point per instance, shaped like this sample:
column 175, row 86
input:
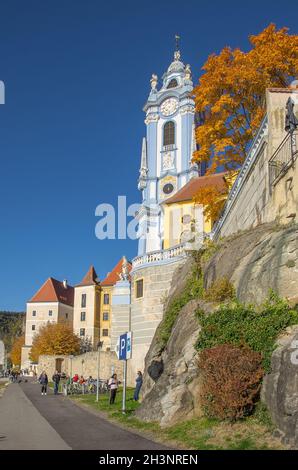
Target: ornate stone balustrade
column 159, row 257
column 171, row 254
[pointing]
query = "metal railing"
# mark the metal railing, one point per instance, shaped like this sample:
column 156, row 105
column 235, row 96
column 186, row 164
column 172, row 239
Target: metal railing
column 85, row 388
column 283, row 157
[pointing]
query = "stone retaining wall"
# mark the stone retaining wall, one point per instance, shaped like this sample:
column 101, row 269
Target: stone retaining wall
column 84, row 364
column 147, row 312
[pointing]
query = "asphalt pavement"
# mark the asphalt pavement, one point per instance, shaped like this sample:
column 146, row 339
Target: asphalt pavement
column 22, row 427
column 30, row 420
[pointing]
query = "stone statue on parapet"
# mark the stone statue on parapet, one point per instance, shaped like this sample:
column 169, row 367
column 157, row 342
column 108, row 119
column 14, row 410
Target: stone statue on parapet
column 154, row 81
column 124, row 270
column 291, row 120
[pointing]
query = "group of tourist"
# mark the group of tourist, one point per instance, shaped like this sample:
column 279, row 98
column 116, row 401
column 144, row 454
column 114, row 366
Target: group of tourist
column 112, row 384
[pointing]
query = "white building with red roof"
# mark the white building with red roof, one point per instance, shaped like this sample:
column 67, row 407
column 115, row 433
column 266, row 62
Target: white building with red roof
column 52, row 303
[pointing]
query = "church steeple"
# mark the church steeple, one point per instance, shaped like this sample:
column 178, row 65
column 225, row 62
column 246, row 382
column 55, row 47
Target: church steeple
column 167, row 150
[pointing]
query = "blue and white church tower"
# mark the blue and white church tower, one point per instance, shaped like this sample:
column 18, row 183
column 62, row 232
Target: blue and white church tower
column 166, row 150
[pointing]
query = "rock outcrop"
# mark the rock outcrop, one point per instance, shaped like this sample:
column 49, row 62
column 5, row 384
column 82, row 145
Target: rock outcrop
column 170, row 392
column 280, row 387
column 171, row 381
column 258, row 260
column 255, row 261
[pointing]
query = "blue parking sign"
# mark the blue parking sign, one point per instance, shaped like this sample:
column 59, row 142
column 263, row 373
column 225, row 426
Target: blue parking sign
column 125, row 346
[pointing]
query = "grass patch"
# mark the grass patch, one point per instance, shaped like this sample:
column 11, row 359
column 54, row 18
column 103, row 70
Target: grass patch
column 104, row 405
column 261, row 416
column 198, row 434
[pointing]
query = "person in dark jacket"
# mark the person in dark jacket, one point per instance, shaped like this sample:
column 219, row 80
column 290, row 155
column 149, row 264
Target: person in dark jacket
column 43, row 380
column 139, row 383
column 56, row 380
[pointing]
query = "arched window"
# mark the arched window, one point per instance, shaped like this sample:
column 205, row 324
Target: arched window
column 173, row 83
column 169, row 133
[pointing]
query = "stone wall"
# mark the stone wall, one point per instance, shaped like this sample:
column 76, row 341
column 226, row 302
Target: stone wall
column 84, row 364
column 147, row 312
column 120, row 308
column 25, row 361
column 249, row 207
column 284, row 198
column 2, row 354
column 252, row 200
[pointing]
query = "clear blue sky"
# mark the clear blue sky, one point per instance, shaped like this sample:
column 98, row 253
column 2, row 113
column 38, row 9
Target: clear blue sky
column 77, row 74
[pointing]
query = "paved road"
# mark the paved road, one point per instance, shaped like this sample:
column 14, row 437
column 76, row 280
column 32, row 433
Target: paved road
column 22, row 427
column 61, row 424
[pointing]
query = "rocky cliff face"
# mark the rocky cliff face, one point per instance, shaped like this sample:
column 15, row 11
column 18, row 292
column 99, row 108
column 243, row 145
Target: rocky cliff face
column 171, row 379
column 280, row 387
column 255, row 261
column 259, row 260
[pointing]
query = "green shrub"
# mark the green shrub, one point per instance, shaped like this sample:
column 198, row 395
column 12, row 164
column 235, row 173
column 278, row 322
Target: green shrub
column 209, row 249
column 240, row 325
column 231, row 381
column 221, row 289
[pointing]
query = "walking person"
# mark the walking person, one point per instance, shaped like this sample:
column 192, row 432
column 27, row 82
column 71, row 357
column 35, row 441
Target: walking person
column 113, row 386
column 139, row 383
column 56, row 380
column 43, row 380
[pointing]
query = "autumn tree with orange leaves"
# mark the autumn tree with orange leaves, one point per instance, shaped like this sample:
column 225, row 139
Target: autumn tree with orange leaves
column 16, row 350
column 231, row 96
column 53, row 339
column 212, row 199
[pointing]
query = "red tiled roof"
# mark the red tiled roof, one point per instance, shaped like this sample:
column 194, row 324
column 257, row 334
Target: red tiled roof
column 54, row 291
column 113, row 276
column 90, row 278
column 187, row 192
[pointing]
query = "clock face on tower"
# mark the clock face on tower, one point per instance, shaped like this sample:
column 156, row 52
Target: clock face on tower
column 168, row 188
column 169, row 106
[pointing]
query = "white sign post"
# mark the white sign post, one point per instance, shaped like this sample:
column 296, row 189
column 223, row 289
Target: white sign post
column 123, row 350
